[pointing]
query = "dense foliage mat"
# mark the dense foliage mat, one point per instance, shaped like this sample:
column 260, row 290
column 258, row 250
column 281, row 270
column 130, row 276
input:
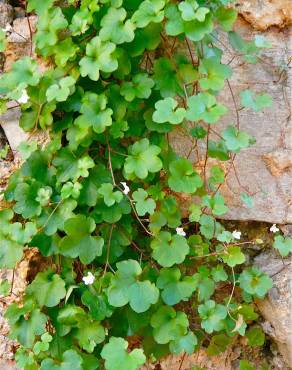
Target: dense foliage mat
column 128, row 279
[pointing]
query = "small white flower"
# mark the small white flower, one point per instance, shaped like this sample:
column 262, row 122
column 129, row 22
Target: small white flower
column 274, row 228
column 7, row 28
column 24, row 97
column 180, row 231
column 89, row 279
column 126, row 188
column 236, row 234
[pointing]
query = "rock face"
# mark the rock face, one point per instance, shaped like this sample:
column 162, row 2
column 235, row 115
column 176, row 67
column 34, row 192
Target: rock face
column 263, row 14
column 6, row 14
column 265, row 169
column 276, row 308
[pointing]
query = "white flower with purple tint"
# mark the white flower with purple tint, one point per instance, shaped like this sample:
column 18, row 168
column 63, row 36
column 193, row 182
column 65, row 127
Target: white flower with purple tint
column 126, row 188
column 236, row 234
column 274, row 228
column 180, row 231
column 24, row 97
column 89, row 279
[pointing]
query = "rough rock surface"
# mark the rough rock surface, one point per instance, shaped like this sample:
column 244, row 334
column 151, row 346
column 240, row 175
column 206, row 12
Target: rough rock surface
column 19, row 41
column 19, row 278
column 228, row 360
column 263, row 14
column 265, row 169
column 6, row 14
column 276, row 308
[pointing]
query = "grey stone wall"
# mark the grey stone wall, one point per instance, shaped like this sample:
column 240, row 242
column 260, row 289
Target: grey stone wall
column 265, row 169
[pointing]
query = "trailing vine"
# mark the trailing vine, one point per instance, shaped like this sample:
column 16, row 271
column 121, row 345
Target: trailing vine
column 128, row 278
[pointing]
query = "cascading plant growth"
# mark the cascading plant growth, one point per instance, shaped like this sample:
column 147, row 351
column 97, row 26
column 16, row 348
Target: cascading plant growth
column 128, row 279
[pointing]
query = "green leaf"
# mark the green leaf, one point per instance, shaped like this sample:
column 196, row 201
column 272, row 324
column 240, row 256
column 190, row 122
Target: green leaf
column 213, row 74
column 217, row 175
column 70, row 360
column 94, row 113
column 80, row 22
column 70, row 315
column 149, row 11
column 5, row 287
column 226, row 17
column 255, row 282
column 49, row 27
column 70, row 189
column 183, row 178
column 140, row 87
column 168, row 324
column 79, row 242
column 89, row 192
column 255, row 337
column 26, row 203
column 25, row 360
column 4, row 151
column 212, row 315
column 218, row 344
column 205, row 286
column 53, row 219
column 218, row 150
column 43, row 345
column 247, row 200
column 209, row 226
column 116, row 355
column 114, row 213
column 186, row 344
column 175, row 24
column 236, row 140
column 219, row 274
column 261, row 42
column 43, row 196
column 256, row 102
column 3, row 41
column 39, row 7
column 61, row 90
column 126, row 288
column 283, row 244
column 71, row 168
column 247, row 312
column 143, row 158
column 190, row 11
column 166, row 111
column 246, row 365
column 203, row 107
column 97, row 304
column 175, row 289
column 169, row 214
column 165, row 78
column 196, row 28
column 26, row 149
column 65, row 50
column 99, row 57
column 195, row 213
column 109, row 196
column 215, row 203
column 24, row 72
column 143, row 204
column 169, row 249
column 89, row 334
column 233, row 256
column 26, row 327
column 48, row 289
column 10, row 252
column 114, row 29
